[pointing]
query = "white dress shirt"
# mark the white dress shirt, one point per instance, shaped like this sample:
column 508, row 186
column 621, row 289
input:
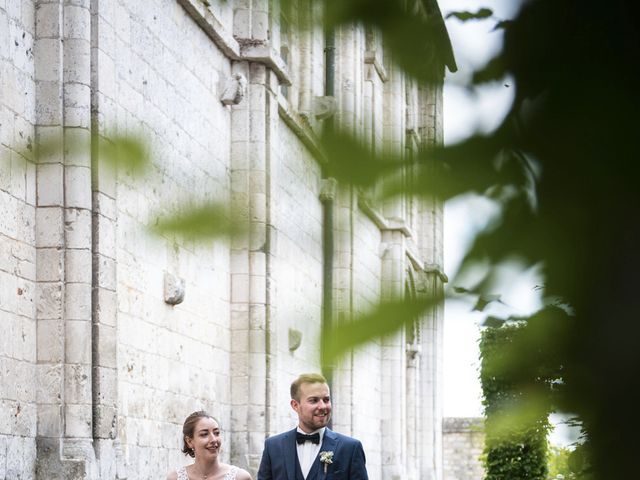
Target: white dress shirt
column 308, row 451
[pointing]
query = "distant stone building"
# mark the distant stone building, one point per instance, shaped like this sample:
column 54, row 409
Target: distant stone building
column 463, row 445
column 110, row 335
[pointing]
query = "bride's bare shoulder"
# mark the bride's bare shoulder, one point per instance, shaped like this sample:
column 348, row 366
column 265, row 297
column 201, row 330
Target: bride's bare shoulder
column 243, row 475
column 173, row 475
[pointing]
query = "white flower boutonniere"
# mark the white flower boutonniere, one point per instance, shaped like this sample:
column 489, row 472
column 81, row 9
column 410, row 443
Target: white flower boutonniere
column 326, row 458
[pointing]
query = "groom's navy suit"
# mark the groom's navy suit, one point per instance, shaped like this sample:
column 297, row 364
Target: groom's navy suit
column 280, row 458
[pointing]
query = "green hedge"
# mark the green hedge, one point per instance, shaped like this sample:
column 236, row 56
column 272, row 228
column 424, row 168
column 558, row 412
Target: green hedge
column 516, row 404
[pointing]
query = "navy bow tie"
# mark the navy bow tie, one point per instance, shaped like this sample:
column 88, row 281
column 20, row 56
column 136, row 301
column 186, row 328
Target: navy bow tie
column 301, row 438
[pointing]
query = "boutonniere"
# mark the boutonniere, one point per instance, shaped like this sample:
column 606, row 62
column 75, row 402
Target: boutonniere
column 326, row 458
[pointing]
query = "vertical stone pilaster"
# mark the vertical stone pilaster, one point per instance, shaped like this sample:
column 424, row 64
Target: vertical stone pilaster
column 393, row 131
column 251, row 21
column 253, row 127
column 63, row 226
column 393, row 412
column 348, row 86
column 430, row 283
column 104, row 279
column 413, row 407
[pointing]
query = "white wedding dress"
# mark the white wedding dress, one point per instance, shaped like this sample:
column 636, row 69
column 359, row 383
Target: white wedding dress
column 231, row 474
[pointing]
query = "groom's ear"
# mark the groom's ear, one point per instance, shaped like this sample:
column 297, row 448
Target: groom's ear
column 294, row 404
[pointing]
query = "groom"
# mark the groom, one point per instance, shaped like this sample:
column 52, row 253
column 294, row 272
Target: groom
column 312, row 451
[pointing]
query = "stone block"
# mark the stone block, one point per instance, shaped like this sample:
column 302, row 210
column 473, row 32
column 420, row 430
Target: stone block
column 30, row 193
column 106, row 269
column 77, row 384
column 78, row 266
column 78, row 301
column 6, row 412
column 8, row 289
column 78, row 420
column 239, row 288
column 242, row 23
column 77, row 228
column 50, row 342
column 49, row 227
column 257, row 317
column 29, row 452
column 49, row 421
column 49, row 106
column 15, row 464
column 18, row 176
column 50, row 383
column 25, row 304
column 77, row 22
column 78, row 342
column 257, row 342
column 105, row 309
column 48, row 53
column 106, row 457
column 258, row 289
column 8, row 212
column 77, row 68
column 5, row 165
column 260, row 25
column 77, row 152
column 106, row 345
column 77, row 111
column 24, row 419
column 26, row 227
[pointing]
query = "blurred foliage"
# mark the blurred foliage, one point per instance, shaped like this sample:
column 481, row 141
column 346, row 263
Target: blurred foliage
column 201, row 222
column 385, row 319
column 413, row 30
column 558, row 463
column 562, row 166
column 568, row 464
column 515, row 403
column 127, row 153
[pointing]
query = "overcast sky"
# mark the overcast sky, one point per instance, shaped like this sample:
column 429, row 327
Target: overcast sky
column 465, row 112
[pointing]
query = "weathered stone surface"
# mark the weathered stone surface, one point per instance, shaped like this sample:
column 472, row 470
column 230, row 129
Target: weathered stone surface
column 463, row 444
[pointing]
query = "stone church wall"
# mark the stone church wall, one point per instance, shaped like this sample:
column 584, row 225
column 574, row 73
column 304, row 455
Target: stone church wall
column 178, row 355
column 297, row 265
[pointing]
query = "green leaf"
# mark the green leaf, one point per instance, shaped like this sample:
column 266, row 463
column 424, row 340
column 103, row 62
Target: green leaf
column 494, row 70
column 502, row 25
column 493, row 322
column 485, row 300
column 385, row 319
column 350, row 162
column 466, row 15
column 123, row 152
column 199, row 222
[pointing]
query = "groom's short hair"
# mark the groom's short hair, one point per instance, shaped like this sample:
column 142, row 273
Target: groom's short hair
column 305, row 378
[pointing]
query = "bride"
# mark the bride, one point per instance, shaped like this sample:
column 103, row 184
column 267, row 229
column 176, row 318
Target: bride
column 202, row 441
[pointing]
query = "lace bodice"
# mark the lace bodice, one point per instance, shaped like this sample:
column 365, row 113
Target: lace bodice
column 230, row 475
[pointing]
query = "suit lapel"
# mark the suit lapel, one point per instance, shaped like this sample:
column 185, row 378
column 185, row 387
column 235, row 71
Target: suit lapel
column 290, row 454
column 329, row 443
